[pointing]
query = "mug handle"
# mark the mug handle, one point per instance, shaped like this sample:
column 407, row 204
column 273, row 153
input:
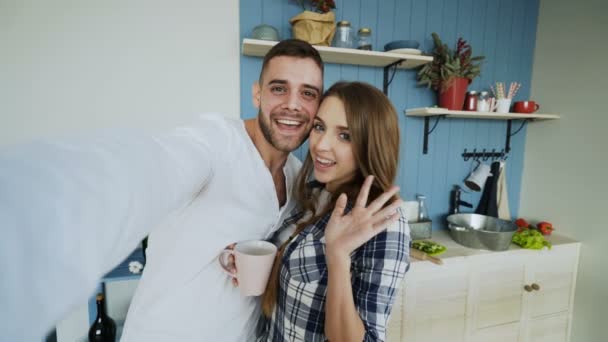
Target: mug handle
column 228, row 269
column 537, row 107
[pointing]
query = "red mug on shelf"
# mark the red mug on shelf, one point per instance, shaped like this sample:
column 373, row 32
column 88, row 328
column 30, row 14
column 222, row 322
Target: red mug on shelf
column 525, row 107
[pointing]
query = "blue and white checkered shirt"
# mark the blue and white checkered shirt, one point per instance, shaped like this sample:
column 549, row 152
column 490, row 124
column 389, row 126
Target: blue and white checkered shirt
column 377, row 269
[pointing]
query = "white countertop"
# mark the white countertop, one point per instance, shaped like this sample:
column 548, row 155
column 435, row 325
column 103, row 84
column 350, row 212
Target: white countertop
column 454, row 250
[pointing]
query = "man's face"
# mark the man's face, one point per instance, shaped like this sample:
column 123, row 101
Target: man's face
column 287, row 100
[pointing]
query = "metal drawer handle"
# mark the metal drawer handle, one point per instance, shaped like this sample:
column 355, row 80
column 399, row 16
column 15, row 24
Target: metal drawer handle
column 528, row 288
column 535, row 286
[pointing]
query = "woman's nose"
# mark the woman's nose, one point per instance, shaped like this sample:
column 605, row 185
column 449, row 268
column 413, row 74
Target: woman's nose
column 324, row 142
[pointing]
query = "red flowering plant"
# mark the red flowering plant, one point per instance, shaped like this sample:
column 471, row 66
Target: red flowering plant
column 320, row 6
column 449, row 64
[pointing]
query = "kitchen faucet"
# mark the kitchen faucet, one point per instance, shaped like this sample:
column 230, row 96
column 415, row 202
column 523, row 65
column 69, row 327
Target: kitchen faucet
column 456, row 202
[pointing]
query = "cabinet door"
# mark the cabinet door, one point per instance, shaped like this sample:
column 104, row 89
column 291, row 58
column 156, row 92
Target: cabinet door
column 554, row 272
column 501, row 333
column 435, row 301
column 497, row 282
column 552, row 328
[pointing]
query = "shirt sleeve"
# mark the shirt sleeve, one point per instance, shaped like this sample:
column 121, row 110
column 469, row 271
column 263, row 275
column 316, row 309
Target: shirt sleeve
column 72, row 210
column 378, row 269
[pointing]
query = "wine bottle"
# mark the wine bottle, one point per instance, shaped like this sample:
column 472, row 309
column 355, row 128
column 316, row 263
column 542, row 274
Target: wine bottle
column 103, row 328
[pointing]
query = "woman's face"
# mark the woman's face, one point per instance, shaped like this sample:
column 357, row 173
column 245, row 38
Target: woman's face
column 330, row 145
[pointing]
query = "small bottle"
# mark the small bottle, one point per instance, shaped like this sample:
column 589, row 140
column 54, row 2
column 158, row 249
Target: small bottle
column 103, row 328
column 423, row 215
column 344, row 35
column 364, row 39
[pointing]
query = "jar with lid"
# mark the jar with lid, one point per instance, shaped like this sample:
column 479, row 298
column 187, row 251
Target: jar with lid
column 470, row 101
column 344, row 35
column 364, row 39
column 483, row 102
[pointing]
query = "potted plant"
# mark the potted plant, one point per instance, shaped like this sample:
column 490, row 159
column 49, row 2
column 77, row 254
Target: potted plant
column 316, row 25
column 450, row 72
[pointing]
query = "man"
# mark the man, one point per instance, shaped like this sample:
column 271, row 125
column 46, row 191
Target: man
column 71, row 211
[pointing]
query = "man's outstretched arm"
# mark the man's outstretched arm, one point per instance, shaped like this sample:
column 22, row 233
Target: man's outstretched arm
column 71, row 211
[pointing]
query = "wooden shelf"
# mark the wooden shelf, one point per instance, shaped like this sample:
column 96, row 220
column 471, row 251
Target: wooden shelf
column 435, row 111
column 259, row 48
column 438, row 113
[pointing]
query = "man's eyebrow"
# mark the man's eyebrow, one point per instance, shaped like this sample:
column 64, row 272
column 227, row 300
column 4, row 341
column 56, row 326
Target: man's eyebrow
column 277, row 82
column 308, row 86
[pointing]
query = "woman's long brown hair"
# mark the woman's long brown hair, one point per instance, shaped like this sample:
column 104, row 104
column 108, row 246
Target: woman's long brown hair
column 374, row 131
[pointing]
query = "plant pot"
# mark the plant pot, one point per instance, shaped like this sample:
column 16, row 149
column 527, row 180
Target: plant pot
column 314, row 28
column 452, row 97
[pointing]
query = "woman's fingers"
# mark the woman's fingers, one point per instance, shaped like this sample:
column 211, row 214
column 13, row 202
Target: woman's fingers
column 339, row 207
column 387, row 211
column 385, row 222
column 364, row 192
column 379, row 202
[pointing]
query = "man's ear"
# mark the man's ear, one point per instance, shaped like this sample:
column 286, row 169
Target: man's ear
column 256, row 93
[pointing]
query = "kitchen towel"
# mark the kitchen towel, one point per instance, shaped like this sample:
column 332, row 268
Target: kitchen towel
column 502, row 198
column 487, row 203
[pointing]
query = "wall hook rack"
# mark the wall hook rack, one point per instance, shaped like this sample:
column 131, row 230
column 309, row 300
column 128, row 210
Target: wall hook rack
column 485, row 155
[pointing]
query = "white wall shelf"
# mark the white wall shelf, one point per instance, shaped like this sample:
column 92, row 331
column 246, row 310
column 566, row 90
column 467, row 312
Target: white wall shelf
column 386, row 60
column 461, row 114
column 259, row 48
column 439, row 113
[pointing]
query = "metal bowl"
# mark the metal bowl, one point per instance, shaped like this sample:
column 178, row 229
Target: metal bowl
column 481, row 232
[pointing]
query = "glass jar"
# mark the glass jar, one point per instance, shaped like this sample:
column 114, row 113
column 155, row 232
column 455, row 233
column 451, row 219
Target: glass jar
column 470, row 101
column 364, row 39
column 344, row 35
column 483, row 102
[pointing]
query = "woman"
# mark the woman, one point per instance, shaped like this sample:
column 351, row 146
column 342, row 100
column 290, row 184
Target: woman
column 329, row 282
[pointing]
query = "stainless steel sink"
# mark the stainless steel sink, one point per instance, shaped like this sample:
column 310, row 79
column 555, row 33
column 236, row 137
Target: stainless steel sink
column 481, row 232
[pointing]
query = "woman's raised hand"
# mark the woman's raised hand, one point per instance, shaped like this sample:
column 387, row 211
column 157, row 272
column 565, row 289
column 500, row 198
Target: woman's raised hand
column 346, row 232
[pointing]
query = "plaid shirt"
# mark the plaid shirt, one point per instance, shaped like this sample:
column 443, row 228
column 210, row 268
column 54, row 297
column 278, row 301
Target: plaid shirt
column 377, row 269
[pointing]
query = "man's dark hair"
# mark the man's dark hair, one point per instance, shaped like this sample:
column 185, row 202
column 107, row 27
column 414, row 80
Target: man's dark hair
column 292, row 48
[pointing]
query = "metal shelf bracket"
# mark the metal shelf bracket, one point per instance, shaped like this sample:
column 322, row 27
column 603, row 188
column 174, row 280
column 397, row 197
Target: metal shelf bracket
column 427, row 131
column 387, row 81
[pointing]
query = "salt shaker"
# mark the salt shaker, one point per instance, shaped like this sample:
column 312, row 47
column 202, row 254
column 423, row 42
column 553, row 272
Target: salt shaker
column 364, row 39
column 344, row 35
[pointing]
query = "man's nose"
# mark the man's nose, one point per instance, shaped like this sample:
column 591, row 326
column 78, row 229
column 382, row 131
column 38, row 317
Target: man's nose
column 293, row 102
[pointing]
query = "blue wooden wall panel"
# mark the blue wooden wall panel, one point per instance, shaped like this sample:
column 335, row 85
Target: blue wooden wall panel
column 502, row 30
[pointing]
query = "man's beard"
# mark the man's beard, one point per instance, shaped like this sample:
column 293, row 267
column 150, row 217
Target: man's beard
column 271, row 136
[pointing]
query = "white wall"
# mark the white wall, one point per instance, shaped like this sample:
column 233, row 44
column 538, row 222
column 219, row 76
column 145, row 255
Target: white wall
column 566, row 163
column 72, row 65
column 68, row 66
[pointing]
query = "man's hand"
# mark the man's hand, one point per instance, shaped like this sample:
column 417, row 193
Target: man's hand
column 346, row 232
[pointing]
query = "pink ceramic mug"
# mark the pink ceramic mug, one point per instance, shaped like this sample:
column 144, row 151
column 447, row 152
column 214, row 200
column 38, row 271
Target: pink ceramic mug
column 254, row 260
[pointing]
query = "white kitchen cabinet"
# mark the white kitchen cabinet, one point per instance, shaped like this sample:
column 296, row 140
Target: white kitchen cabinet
column 512, row 296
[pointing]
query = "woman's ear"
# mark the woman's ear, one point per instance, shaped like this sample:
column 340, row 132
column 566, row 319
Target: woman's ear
column 256, row 94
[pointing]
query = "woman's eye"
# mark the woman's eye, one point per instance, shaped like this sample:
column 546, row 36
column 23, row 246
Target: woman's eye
column 317, row 127
column 344, row 136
